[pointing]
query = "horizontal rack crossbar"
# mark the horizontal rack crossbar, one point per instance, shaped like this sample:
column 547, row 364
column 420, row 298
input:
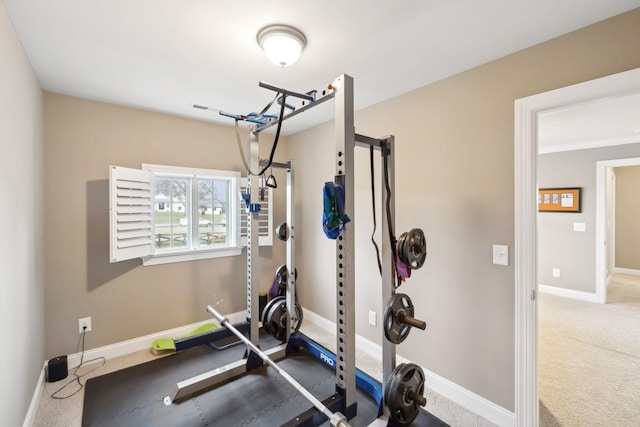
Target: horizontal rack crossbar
column 299, row 107
column 365, row 141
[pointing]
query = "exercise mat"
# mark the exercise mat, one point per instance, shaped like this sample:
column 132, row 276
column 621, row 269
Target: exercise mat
column 134, row 396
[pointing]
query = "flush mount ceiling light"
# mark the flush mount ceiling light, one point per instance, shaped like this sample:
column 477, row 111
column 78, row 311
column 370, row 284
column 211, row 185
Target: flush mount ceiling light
column 282, row 44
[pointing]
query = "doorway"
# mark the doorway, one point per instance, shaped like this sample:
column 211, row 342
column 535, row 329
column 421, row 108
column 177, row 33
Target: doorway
column 605, row 225
column 526, row 151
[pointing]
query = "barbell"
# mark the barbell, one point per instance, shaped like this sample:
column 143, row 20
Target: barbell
column 335, row 418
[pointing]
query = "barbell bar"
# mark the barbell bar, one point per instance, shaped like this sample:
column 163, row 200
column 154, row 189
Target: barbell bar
column 335, row 418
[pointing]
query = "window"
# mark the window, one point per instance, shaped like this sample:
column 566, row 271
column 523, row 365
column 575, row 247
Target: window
column 169, row 214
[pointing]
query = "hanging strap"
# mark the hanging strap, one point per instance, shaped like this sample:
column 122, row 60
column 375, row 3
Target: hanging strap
column 373, row 203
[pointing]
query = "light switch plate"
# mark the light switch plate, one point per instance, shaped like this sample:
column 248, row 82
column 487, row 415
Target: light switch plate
column 501, row 254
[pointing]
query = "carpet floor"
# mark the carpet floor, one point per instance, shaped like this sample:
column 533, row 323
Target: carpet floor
column 589, row 358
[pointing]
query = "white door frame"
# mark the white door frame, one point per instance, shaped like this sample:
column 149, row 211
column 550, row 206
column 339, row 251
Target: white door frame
column 610, row 223
column 601, row 222
column 526, row 152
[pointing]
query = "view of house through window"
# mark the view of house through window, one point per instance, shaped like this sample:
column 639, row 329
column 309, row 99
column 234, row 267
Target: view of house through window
column 213, row 208
column 171, row 206
column 190, row 212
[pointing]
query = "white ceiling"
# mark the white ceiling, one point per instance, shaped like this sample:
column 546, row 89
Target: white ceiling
column 601, row 123
column 166, row 55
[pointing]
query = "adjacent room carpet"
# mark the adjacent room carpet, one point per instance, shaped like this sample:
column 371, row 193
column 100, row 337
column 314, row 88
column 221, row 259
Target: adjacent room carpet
column 589, row 363
column 134, row 396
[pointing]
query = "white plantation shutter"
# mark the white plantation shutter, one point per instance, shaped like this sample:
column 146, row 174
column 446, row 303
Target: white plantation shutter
column 132, row 216
column 130, row 213
column 265, row 217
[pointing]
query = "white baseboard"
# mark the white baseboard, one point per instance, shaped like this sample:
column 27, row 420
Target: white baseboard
column 568, row 293
column 469, row 400
column 131, row 346
column 627, row 271
column 463, row 397
column 119, row 349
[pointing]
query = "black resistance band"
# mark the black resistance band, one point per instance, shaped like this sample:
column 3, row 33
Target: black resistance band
column 373, row 201
column 392, row 238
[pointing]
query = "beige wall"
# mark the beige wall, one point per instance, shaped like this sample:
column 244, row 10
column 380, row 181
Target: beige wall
column 21, row 245
column 574, row 253
column 627, row 217
column 125, row 299
column 455, row 180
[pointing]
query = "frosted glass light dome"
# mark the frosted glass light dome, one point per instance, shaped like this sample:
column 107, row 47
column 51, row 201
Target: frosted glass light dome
column 282, row 44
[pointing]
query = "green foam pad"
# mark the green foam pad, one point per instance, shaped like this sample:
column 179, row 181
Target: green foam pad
column 169, row 343
column 163, row 344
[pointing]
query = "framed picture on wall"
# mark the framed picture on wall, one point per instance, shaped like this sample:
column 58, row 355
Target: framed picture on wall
column 560, row 200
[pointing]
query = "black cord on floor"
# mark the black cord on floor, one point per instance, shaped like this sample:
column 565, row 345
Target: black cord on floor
column 76, row 379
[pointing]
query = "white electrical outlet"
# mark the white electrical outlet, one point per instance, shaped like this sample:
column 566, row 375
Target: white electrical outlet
column 83, row 323
column 372, row 318
column 555, row 272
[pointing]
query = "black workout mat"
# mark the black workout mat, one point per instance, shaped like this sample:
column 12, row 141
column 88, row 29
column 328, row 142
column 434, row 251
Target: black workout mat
column 134, row 396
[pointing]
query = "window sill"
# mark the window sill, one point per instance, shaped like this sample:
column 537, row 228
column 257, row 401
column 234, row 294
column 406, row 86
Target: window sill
column 191, row 256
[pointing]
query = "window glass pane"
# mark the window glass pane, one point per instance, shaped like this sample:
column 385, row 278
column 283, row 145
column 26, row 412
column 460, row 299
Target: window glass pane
column 171, row 213
column 213, row 212
column 195, row 214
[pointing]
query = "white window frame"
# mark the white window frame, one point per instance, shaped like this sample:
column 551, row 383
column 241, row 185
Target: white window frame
column 197, row 252
column 132, row 205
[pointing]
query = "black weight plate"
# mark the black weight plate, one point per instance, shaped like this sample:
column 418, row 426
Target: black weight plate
column 412, row 248
column 269, row 306
column 273, row 322
column 405, row 377
column 282, row 231
column 299, row 316
column 282, row 276
column 276, row 320
column 395, row 331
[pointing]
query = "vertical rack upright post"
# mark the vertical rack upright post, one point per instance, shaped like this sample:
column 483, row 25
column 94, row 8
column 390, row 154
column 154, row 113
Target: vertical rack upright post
column 291, row 250
column 387, row 148
column 253, row 236
column 345, row 271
